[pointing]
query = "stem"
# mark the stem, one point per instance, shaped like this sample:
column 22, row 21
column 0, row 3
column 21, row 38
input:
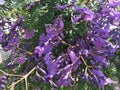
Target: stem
column 12, row 75
column 65, row 43
column 24, row 77
column 84, row 61
column 30, row 53
column 26, row 83
column 86, row 65
column 15, row 83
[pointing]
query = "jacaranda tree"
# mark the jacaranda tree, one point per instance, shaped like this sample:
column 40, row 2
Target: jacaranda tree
column 59, row 44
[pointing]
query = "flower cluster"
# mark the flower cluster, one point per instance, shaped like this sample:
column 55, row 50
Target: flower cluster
column 62, row 61
column 11, row 33
column 3, row 81
column 94, row 51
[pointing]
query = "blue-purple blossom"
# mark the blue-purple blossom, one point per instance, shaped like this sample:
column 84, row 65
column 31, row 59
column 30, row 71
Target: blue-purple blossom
column 102, row 80
column 51, row 65
column 114, row 3
column 64, row 82
column 51, row 38
column 61, row 24
column 72, row 56
column 30, row 5
column 60, row 7
column 84, row 14
column 101, row 59
column 65, row 79
column 21, row 59
column 99, row 42
column 2, row 36
column 100, row 1
column 3, row 21
column 76, row 19
column 3, row 81
column 28, row 34
column 87, row 14
column 13, row 41
column 43, row 50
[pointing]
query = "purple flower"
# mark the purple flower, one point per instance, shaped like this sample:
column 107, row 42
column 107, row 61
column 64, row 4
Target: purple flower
column 42, row 50
column 85, row 52
column 103, row 81
column 49, row 28
column 114, row 3
column 60, row 7
column 39, row 50
column 84, row 13
column 88, row 15
column 41, row 70
column 28, row 34
column 99, row 42
column 2, row 36
column 61, row 24
column 30, row 5
column 118, row 42
column 3, row 81
column 85, row 77
column 3, row 21
column 99, row 78
column 13, row 41
column 42, row 39
column 21, row 59
column 51, row 65
column 63, row 82
column 101, row 59
column 100, row 1
column 77, row 8
column 48, row 58
column 52, row 69
column 76, row 19
column 65, row 79
column 54, row 30
column 76, row 65
column 96, row 71
column 72, row 1
column 72, row 56
column 51, row 38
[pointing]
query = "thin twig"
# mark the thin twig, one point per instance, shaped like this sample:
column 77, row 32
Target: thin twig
column 88, row 67
column 26, row 83
column 30, row 53
column 12, row 75
column 24, row 77
column 65, row 43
